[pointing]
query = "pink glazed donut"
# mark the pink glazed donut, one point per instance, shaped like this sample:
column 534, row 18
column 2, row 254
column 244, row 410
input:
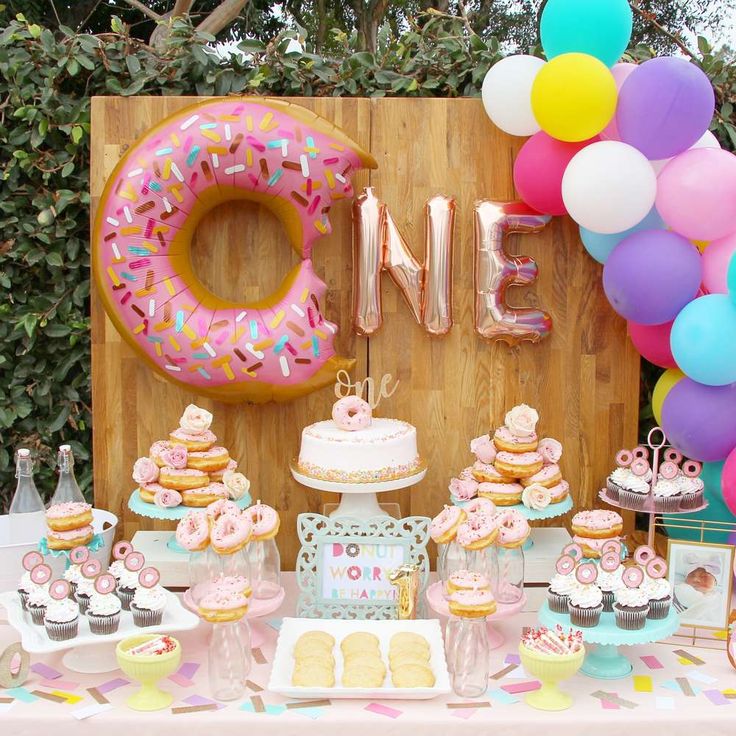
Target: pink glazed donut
column 352, row 413
column 267, row 151
column 193, row 531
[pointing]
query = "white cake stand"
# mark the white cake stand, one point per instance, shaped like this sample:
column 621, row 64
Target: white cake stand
column 359, row 500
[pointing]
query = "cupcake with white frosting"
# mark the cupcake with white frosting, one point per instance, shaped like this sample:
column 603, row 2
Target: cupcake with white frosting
column 633, row 489
column 62, row 619
column 148, row 606
column 667, row 495
column 586, row 599
column 561, row 585
column 38, row 600
column 104, row 608
column 610, row 583
column 632, row 602
column 692, row 491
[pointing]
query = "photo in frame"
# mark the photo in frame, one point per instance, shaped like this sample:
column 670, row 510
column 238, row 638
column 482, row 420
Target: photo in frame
column 701, row 575
column 344, row 563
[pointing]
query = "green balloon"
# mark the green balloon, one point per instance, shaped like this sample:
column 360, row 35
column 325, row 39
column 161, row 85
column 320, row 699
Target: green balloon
column 716, row 511
column 601, row 28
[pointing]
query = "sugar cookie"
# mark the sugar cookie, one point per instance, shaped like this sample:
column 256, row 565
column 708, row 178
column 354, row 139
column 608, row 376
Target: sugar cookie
column 413, row 675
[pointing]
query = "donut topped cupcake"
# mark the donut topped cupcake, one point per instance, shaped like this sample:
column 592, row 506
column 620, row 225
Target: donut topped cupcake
column 189, row 468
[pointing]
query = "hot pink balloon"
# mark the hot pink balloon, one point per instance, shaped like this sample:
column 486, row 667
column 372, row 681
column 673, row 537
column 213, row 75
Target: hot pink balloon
column 538, row 171
column 696, row 194
column 716, row 260
column 620, row 72
column 728, row 483
column 653, row 343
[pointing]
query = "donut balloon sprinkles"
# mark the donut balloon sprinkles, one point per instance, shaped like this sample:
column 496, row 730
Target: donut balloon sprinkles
column 271, row 152
column 352, row 413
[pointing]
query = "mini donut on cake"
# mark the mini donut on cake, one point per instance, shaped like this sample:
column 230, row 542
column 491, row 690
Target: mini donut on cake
column 183, row 479
column 210, row 461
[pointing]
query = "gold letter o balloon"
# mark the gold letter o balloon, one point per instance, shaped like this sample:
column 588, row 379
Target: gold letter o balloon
column 271, row 152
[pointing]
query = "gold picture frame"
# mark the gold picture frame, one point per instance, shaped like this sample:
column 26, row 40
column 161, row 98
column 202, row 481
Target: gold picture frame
column 725, row 554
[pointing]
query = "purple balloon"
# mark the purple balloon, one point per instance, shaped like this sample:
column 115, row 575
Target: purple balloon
column 651, row 275
column 699, row 420
column 664, row 107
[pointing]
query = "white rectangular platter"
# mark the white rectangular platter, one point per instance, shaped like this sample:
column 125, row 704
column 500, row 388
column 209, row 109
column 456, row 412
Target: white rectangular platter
column 36, row 641
column 293, row 628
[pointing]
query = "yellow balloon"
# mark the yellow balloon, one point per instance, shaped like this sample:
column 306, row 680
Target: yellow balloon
column 574, row 97
column 664, row 385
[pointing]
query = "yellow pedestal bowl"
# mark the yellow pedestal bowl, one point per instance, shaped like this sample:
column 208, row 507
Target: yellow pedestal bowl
column 550, row 669
column 148, row 669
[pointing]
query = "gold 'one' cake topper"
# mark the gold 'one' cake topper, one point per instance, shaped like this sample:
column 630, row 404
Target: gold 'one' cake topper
column 345, row 387
column 406, row 579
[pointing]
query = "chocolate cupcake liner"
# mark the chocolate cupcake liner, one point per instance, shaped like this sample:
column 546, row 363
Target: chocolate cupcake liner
column 658, row 609
column 667, row 504
column 38, row 614
column 635, row 501
column 608, row 598
column 83, row 601
column 72, row 591
column 691, row 500
column 612, row 490
column 62, row 630
column 558, row 603
column 143, row 617
column 586, row 618
column 23, row 595
column 631, row 619
column 126, row 597
column 103, row 623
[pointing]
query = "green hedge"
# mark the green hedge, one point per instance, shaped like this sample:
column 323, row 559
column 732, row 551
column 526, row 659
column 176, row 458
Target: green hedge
column 46, row 81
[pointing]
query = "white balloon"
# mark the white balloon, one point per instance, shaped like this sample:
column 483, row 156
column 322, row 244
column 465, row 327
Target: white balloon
column 609, row 187
column 507, row 94
column 707, row 140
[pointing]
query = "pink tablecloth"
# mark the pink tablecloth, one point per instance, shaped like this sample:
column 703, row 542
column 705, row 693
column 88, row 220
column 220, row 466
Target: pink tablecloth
column 655, row 700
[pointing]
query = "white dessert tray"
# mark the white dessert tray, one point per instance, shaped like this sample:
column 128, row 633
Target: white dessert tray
column 36, row 641
column 293, row 628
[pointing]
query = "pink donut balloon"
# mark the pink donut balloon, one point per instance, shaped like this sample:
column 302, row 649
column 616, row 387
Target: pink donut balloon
column 121, row 550
column 31, row 560
column 691, row 468
column 148, row 577
column 586, row 573
column 624, row 458
column 610, row 561
column 41, row 574
column 656, row 568
column 612, row 545
column 668, row 470
column 105, row 583
column 79, row 555
column 639, row 466
column 135, row 561
column 352, row 413
column 673, row 455
column 574, row 550
column 633, row 577
column 59, row 590
column 565, row 565
column 91, row 568
column 643, row 554
column 267, row 151
column 640, row 452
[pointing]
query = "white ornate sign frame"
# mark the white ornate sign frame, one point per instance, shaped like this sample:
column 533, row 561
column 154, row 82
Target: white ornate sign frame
column 316, row 530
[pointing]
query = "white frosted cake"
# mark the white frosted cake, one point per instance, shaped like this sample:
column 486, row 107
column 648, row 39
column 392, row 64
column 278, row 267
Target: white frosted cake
column 384, row 450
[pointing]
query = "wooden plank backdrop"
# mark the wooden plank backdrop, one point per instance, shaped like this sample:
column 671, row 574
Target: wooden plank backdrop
column 583, row 379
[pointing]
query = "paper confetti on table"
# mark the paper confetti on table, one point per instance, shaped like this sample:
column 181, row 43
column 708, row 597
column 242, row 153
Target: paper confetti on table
column 271, row 710
column 383, row 710
column 183, row 676
column 716, row 697
column 686, row 657
column 664, row 702
column 50, row 696
column 677, row 687
column 97, row 695
column 652, row 662
column 68, row 697
column 257, row 703
column 703, row 677
column 20, row 693
column 308, row 704
column 614, row 698
column 502, row 673
column 729, row 693
column 91, row 710
column 312, row 713
column 259, row 657
column 48, row 673
column 522, row 687
column 193, row 708
column 111, row 685
column 275, row 623
column 502, row 696
column 7, row 700
column 685, row 686
column 512, row 659
column 469, row 704
column 643, row 684
column 254, row 686
column 56, row 684
column 201, row 700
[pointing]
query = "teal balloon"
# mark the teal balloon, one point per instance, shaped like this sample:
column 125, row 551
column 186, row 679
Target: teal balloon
column 703, row 340
column 731, row 278
column 601, row 28
column 716, row 511
column 600, row 245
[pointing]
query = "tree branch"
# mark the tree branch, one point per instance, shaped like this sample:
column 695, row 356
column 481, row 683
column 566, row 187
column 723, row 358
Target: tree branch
column 143, row 9
column 222, row 16
column 652, row 20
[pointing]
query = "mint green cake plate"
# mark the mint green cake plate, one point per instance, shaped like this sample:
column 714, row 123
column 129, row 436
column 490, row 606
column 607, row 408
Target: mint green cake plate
column 605, row 661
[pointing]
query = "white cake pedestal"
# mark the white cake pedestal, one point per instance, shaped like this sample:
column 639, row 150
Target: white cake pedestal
column 358, row 500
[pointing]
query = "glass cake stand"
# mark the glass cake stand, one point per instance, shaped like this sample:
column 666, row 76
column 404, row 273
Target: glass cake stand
column 358, row 500
column 605, row 661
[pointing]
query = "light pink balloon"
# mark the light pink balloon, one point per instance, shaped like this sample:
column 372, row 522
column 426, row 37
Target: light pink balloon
column 696, row 194
column 620, row 72
column 716, row 259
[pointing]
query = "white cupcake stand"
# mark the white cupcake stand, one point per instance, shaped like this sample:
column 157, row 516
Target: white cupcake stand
column 358, row 500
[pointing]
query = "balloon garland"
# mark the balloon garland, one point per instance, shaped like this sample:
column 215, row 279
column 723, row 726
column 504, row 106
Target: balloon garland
column 271, row 152
column 625, row 150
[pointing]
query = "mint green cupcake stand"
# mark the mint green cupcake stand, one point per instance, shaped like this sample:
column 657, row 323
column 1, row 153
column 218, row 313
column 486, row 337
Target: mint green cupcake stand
column 604, row 661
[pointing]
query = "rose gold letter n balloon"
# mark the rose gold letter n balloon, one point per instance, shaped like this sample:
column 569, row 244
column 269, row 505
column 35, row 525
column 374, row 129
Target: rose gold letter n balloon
column 495, row 271
column 378, row 245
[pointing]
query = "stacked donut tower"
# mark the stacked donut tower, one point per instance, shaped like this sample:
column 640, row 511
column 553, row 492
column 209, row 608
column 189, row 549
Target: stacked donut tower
column 514, row 466
column 226, row 530
column 189, row 468
column 634, row 591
